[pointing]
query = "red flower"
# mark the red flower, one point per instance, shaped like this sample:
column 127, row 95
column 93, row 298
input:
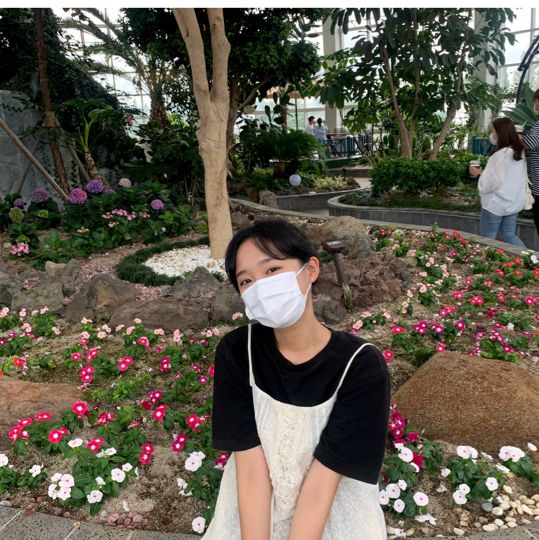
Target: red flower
column 19, row 362
column 418, row 460
column 63, row 430
column 395, row 329
column 55, row 436
column 76, row 356
column 42, row 416
column 388, row 356
column 144, row 458
column 80, row 408
column 165, row 364
column 193, row 421
column 144, row 341
column 25, row 422
column 211, row 370
column 159, row 412
column 179, row 442
column 146, row 405
column 14, row 433
column 413, row 436
column 95, row 444
column 147, row 448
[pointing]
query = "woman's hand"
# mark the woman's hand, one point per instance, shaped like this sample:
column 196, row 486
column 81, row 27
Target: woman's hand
column 254, row 494
column 475, row 171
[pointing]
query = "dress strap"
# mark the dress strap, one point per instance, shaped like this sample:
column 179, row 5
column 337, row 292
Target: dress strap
column 350, row 363
column 251, row 376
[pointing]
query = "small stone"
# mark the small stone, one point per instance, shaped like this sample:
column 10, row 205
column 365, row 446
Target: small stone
column 490, row 527
column 497, row 511
column 536, row 518
column 536, row 497
column 458, row 532
column 66, row 514
column 477, row 525
column 58, row 511
column 40, row 499
column 527, row 510
column 482, row 519
column 127, row 521
column 6, row 503
column 499, row 522
column 526, row 521
column 512, row 524
column 487, row 506
column 503, row 527
column 508, row 489
column 137, row 518
column 410, row 532
column 510, row 519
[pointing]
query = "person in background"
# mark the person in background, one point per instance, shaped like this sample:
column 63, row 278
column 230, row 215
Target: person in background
column 502, row 185
column 309, row 128
column 320, row 131
column 531, row 141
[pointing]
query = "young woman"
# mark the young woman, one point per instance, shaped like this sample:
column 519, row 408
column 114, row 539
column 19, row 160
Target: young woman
column 502, row 185
column 303, row 408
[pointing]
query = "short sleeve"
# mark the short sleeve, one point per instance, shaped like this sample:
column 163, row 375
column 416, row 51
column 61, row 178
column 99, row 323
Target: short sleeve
column 233, row 418
column 531, row 139
column 354, row 440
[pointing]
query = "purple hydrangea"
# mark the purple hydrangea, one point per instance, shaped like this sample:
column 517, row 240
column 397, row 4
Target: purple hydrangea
column 40, row 195
column 19, row 203
column 77, row 196
column 157, row 204
column 94, row 186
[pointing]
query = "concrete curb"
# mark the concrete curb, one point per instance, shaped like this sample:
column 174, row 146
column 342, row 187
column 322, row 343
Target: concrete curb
column 16, row 524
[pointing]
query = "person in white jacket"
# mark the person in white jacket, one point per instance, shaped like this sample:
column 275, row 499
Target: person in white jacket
column 502, row 185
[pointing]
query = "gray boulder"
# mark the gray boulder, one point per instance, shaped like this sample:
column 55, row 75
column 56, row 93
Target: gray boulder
column 268, row 198
column 330, row 310
column 7, row 289
column 168, row 314
column 225, row 303
column 201, row 284
column 99, row 298
column 45, row 293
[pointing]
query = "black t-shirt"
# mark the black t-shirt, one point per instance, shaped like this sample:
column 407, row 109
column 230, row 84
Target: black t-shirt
column 353, row 441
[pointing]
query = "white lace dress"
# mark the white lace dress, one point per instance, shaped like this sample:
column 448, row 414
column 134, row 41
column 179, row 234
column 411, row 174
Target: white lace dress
column 289, row 435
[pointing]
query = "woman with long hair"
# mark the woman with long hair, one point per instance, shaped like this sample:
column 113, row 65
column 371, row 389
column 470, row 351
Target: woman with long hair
column 502, row 185
column 303, row 408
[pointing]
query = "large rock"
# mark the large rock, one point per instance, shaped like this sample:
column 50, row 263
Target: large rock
column 225, row 303
column 467, row 400
column 70, row 277
column 19, row 399
column 350, row 231
column 201, row 284
column 7, row 289
column 45, row 293
column 268, row 198
column 330, row 310
column 99, row 298
column 162, row 313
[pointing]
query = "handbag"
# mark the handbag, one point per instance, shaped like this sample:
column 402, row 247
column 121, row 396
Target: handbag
column 529, row 200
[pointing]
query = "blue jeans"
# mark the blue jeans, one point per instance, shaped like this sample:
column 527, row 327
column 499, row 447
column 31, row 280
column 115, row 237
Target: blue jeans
column 490, row 225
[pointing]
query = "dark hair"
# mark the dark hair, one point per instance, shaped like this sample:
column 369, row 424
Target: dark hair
column 275, row 237
column 319, row 121
column 507, row 137
column 310, row 118
column 535, row 96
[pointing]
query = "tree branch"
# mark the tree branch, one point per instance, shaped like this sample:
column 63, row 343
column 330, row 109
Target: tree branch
column 221, row 50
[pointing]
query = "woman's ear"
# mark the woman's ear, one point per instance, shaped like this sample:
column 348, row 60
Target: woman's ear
column 313, row 267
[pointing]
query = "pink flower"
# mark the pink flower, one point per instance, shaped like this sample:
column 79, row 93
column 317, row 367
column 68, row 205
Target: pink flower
column 530, row 300
column 395, row 329
column 193, row 421
column 159, row 332
column 440, row 347
column 179, row 442
column 42, row 416
column 159, row 412
column 137, row 321
column 211, row 370
column 203, row 379
column 25, row 422
column 237, row 315
column 388, row 356
column 80, row 408
column 55, row 436
column 144, row 342
column 144, row 458
column 165, row 364
column 412, row 437
column 147, row 448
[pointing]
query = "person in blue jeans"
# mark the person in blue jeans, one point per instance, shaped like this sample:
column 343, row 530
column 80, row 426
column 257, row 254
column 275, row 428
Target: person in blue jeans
column 502, row 185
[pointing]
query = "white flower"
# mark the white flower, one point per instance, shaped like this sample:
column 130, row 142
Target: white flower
column 502, row 468
column 459, row 497
column 125, row 506
column 406, row 455
column 415, row 467
column 397, row 533
column 402, row 484
column 110, row 451
column 445, row 472
column 532, row 447
column 199, row 524
column 504, row 453
column 117, row 475
column 510, row 326
column 182, row 484
column 66, row 481
column 393, row 491
column 75, row 443
column 35, row 470
column 426, row 517
column 421, row 499
column 56, row 477
column 100, row 454
column 441, row 489
column 467, row 452
column 198, row 455
column 127, row 467
column 511, row 452
column 52, row 491
column 192, row 463
column 464, row 489
column 383, row 498
column 491, row 483
column 3, row 460
column 94, row 496
column 398, row 505
column 534, row 259
column 64, row 493
column 100, row 481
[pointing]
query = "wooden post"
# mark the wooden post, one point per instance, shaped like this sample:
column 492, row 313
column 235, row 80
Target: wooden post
column 33, row 159
column 29, row 164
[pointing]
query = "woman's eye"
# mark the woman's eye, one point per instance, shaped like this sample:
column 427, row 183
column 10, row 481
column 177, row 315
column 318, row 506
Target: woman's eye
column 244, row 282
column 272, row 269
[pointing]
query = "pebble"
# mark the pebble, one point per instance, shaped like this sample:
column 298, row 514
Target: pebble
column 482, row 519
column 497, row 511
column 487, row 507
column 58, row 511
column 137, row 518
column 511, row 524
column 508, row 489
column 536, row 497
column 458, row 532
column 66, row 514
column 477, row 525
column 526, row 521
column 510, row 519
column 6, row 503
column 527, row 510
column 410, row 532
column 498, row 522
column 490, row 527
column 127, row 521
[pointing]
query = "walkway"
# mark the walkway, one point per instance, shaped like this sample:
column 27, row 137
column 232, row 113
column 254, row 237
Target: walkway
column 16, row 524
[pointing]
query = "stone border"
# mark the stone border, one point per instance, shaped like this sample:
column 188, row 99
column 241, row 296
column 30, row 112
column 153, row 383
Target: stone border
column 472, row 237
column 305, row 201
column 18, row 524
column 460, row 221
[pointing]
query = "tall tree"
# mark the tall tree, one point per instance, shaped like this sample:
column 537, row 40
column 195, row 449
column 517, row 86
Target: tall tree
column 419, row 59
column 213, row 106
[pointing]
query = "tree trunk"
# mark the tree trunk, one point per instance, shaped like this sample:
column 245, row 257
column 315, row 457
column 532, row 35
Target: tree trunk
column 451, row 113
column 50, row 122
column 213, row 107
column 232, row 113
column 90, row 165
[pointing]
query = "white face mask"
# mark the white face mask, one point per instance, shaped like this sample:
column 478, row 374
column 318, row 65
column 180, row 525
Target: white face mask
column 276, row 301
column 493, row 140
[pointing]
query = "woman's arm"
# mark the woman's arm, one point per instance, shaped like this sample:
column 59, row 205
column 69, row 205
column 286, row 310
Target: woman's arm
column 314, row 502
column 493, row 175
column 254, row 494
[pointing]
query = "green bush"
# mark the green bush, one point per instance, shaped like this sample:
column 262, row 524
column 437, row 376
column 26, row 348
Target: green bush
column 414, row 175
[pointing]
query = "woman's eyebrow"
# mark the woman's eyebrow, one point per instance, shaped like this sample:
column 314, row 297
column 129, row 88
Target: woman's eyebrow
column 263, row 261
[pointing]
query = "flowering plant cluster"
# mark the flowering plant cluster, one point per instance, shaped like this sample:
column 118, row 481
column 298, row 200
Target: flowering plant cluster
column 11, row 478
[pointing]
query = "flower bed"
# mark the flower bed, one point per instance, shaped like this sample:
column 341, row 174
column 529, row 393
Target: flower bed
column 145, row 402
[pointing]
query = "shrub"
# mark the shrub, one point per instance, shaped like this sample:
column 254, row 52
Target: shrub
column 413, row 175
